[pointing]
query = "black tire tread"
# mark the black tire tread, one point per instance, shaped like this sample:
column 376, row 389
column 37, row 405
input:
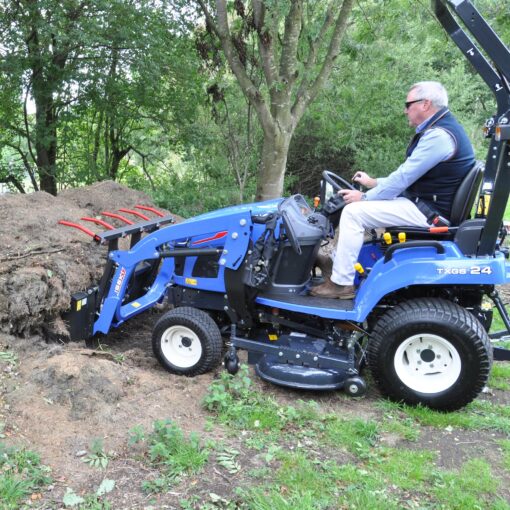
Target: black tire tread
column 429, row 309
column 204, row 326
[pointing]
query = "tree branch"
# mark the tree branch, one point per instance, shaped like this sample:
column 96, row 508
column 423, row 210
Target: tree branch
column 221, row 29
column 144, row 167
column 314, row 47
column 307, row 96
column 26, row 164
column 11, row 179
column 291, row 42
column 32, row 253
column 25, row 120
column 266, row 47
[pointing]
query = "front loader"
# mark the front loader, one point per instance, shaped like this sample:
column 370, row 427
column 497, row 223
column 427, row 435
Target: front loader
column 422, row 313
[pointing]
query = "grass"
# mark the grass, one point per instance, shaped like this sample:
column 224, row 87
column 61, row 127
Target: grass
column 21, row 474
column 505, row 447
column 347, row 464
column 500, row 377
column 358, row 435
column 170, row 452
column 235, row 404
column 479, row 415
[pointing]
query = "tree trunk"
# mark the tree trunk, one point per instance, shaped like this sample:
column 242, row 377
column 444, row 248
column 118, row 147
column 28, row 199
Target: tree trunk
column 46, row 141
column 272, row 165
column 116, row 158
column 289, row 62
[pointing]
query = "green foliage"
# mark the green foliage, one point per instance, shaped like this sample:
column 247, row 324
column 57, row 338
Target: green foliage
column 356, row 435
column 169, row 447
column 402, row 425
column 8, row 357
column 408, row 469
column 360, row 111
column 136, row 435
column 97, row 458
column 505, row 446
column 235, row 403
column 135, row 101
column 193, row 194
column 91, row 501
column 21, row 474
column 297, row 483
column 227, row 459
column 478, row 415
column 500, row 377
column 468, row 488
column 173, row 454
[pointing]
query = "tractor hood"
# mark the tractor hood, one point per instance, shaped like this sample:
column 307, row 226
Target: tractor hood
column 255, row 209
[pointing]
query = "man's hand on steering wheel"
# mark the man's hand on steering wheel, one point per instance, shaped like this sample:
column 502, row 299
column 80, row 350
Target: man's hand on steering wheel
column 351, row 195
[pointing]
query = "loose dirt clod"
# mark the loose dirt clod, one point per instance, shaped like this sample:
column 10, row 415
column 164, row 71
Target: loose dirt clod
column 42, row 263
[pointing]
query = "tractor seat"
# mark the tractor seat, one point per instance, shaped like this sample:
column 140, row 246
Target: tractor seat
column 462, row 205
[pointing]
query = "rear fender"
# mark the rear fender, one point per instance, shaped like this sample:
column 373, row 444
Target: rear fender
column 425, row 266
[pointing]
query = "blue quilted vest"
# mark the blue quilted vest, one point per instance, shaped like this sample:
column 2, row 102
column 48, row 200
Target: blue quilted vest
column 438, row 186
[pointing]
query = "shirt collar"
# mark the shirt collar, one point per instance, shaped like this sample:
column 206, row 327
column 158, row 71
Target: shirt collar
column 431, row 120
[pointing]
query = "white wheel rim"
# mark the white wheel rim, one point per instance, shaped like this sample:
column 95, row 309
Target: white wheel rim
column 427, row 363
column 181, row 346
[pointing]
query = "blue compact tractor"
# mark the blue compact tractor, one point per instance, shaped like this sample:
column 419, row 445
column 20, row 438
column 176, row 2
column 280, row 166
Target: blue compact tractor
column 423, row 309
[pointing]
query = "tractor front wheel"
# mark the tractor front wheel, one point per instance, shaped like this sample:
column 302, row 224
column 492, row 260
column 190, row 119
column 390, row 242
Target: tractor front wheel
column 186, row 341
column 431, row 352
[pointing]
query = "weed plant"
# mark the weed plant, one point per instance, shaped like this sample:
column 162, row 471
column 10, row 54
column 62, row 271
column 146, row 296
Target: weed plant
column 97, row 457
column 235, row 403
column 170, row 452
column 21, row 475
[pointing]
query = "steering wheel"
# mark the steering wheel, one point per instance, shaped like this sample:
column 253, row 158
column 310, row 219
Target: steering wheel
column 336, row 181
column 334, row 205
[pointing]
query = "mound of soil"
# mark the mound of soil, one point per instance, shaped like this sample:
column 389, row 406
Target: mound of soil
column 42, row 263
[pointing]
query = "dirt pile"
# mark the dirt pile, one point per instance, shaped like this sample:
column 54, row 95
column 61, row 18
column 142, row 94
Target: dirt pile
column 42, row 263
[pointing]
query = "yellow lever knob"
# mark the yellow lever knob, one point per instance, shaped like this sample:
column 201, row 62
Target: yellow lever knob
column 359, row 268
column 402, row 237
column 387, row 237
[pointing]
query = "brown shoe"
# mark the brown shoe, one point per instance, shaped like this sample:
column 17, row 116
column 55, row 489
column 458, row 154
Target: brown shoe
column 333, row 291
column 325, row 264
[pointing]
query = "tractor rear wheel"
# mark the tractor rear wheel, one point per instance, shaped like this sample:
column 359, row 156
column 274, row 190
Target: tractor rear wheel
column 431, row 352
column 186, row 341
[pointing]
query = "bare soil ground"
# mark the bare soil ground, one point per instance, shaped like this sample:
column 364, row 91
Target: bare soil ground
column 60, row 396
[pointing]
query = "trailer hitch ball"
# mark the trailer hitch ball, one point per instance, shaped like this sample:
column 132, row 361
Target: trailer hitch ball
column 355, row 386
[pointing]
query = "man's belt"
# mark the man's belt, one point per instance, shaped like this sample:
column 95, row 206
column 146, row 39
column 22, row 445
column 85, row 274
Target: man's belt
column 432, row 215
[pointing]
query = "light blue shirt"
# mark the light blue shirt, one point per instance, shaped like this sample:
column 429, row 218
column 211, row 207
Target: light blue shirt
column 434, row 146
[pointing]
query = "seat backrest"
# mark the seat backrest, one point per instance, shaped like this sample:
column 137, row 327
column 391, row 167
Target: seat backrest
column 466, row 194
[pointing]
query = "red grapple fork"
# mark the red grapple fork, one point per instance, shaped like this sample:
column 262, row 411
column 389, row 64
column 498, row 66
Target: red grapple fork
column 112, row 234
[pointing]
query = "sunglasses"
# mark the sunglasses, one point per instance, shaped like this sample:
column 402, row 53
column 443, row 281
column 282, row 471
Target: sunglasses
column 409, row 103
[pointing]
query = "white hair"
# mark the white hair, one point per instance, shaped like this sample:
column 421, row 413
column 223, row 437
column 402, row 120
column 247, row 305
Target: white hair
column 433, row 91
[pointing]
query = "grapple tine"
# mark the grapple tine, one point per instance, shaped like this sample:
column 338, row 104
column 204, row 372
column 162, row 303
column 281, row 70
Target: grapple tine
column 118, row 217
column 151, row 209
column 82, row 228
column 99, row 222
column 135, row 213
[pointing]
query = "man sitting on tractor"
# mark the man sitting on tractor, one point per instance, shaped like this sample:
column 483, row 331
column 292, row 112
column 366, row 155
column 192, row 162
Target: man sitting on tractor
column 420, row 192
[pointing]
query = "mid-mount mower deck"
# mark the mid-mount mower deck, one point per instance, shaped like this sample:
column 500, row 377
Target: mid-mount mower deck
column 424, row 301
